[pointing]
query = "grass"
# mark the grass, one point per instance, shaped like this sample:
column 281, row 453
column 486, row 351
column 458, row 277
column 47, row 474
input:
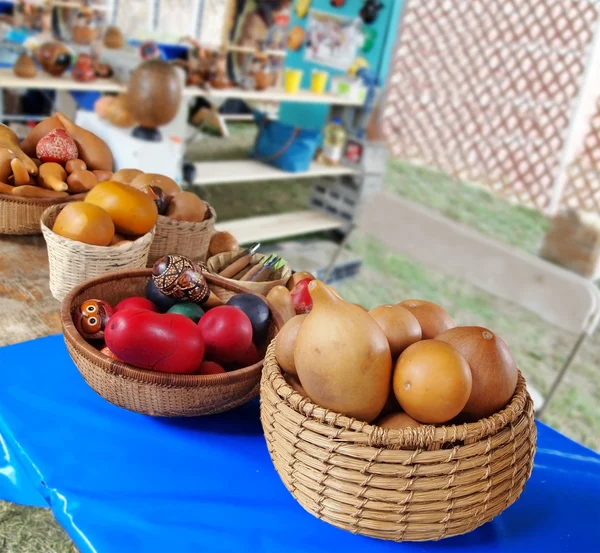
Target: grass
column 386, row 277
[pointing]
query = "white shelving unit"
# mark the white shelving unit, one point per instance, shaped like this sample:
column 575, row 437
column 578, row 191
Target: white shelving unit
column 282, row 225
column 65, row 82
column 213, row 173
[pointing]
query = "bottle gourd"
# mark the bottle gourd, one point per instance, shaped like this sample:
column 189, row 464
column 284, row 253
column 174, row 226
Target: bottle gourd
column 342, row 356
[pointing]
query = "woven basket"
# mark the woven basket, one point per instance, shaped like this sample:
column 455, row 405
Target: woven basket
column 182, row 237
column 412, row 485
column 148, row 392
column 20, row 215
column 219, row 261
column 72, row 262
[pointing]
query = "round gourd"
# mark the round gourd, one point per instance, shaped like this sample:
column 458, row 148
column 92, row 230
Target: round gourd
column 85, row 223
column 432, row 318
column 126, row 176
column 132, row 211
column 141, row 180
column 154, row 93
column 432, row 381
column 399, row 325
column 186, row 206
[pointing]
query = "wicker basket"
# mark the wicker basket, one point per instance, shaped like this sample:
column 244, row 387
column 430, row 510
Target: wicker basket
column 72, row 262
column 182, row 237
column 147, row 392
column 217, row 262
column 20, row 215
column 412, row 485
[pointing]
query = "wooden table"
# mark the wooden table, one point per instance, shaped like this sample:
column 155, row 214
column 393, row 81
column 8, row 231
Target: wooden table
column 27, row 308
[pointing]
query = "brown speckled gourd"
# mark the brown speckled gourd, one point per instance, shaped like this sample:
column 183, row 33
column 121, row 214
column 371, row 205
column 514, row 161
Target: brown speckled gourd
column 342, row 356
column 154, row 93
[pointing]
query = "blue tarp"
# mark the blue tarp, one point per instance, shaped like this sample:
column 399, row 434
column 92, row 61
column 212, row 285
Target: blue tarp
column 122, row 482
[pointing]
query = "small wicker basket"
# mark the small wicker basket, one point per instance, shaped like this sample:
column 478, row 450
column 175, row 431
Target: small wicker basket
column 217, row 262
column 19, row 215
column 412, row 485
column 182, row 237
column 72, row 262
column 148, row 392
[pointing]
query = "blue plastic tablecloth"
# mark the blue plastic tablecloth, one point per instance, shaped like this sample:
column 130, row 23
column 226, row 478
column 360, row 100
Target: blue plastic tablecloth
column 122, row 482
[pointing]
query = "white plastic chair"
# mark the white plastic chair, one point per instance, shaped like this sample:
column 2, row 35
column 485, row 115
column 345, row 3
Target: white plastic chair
column 558, row 296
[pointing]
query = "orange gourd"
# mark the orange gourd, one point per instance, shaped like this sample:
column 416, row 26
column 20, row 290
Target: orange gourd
column 342, row 356
column 433, row 319
column 132, row 211
column 432, row 381
column 85, row 223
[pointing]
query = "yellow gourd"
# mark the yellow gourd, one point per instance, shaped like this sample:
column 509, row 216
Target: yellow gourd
column 132, row 211
column 342, row 356
column 85, row 223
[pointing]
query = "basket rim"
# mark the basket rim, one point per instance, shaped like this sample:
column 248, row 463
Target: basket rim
column 42, row 201
column 376, row 436
column 48, row 232
column 129, row 372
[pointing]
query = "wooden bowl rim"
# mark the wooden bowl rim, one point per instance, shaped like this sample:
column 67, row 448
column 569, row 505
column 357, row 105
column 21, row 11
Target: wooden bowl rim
column 130, row 372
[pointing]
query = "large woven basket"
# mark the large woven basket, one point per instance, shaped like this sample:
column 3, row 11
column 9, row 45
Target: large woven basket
column 182, row 237
column 148, row 392
column 412, row 485
column 217, row 262
column 20, row 215
column 72, row 262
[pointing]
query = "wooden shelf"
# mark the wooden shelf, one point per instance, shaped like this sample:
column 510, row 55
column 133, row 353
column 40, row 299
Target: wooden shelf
column 211, row 173
column 43, row 81
column 281, row 225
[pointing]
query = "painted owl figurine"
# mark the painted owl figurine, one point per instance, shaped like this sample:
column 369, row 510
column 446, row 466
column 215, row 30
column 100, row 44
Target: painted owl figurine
column 91, row 318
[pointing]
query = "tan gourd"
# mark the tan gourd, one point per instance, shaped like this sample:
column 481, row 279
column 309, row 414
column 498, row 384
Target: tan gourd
column 29, row 191
column 92, row 149
column 286, row 341
column 170, row 187
column 41, row 129
column 103, row 175
column 20, row 175
column 81, row 181
column 9, row 143
column 342, row 356
column 53, row 177
column 186, row 206
column 5, row 188
column 280, row 299
column 75, row 165
column 126, row 176
column 25, row 67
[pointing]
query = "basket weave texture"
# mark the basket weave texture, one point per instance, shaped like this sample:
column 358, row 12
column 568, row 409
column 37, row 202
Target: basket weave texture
column 148, row 392
column 72, row 262
column 20, row 215
column 412, row 485
column 182, row 237
column 217, row 262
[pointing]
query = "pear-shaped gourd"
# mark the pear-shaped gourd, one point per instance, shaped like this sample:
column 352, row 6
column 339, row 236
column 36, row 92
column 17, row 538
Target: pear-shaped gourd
column 342, row 356
column 25, row 67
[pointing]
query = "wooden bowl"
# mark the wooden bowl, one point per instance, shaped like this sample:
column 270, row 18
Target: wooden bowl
column 149, row 392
